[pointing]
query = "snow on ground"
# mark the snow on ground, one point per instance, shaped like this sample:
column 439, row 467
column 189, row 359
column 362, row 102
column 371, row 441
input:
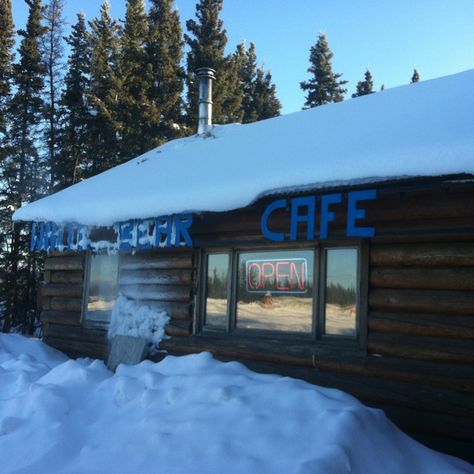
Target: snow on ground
column 422, row 129
column 188, row 415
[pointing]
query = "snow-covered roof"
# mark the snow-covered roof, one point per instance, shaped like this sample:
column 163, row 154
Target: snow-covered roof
column 422, row 129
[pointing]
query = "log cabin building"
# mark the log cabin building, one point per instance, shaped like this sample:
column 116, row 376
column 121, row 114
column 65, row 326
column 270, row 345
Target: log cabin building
column 335, row 245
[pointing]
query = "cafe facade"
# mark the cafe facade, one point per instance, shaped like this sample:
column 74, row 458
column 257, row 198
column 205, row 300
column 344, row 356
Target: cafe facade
column 345, row 259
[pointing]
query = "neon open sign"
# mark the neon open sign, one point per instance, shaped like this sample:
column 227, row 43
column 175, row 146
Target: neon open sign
column 279, row 275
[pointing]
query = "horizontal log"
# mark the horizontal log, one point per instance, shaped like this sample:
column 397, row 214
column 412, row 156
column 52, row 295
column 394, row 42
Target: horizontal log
column 157, row 292
column 160, row 262
column 73, row 277
column 420, row 324
column 375, row 392
column 59, row 317
column 267, row 351
column 425, row 301
column 77, row 348
column 76, row 333
column 461, row 278
column 452, row 254
column 64, row 263
column 58, row 289
column 421, row 348
column 161, row 277
column 178, row 328
column 426, row 373
column 176, row 311
column 59, row 303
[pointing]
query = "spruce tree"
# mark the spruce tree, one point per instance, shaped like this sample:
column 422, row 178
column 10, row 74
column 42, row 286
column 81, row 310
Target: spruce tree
column 76, row 148
column 104, row 92
column 207, row 43
column 415, row 77
column 165, row 75
column 259, row 100
column 324, row 85
column 52, row 51
column 366, row 86
column 7, row 41
column 22, row 168
column 132, row 98
column 266, row 103
column 248, row 71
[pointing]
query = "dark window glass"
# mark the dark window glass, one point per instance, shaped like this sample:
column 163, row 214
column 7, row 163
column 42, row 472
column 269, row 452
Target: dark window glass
column 102, row 293
column 341, row 283
column 275, row 290
column 216, row 290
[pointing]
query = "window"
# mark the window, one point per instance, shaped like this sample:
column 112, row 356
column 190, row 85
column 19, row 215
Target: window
column 298, row 291
column 102, row 283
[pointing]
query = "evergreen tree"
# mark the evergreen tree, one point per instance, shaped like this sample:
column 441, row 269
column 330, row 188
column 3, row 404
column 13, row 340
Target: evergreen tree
column 22, row 169
column 7, row 41
column 324, row 86
column 366, row 86
column 104, row 92
column 132, row 81
column 259, row 94
column 415, row 77
column 207, row 45
column 76, row 118
column 266, row 103
column 165, row 75
column 247, row 60
column 52, row 51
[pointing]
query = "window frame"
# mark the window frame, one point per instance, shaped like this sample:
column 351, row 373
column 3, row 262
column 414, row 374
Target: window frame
column 318, row 306
column 90, row 323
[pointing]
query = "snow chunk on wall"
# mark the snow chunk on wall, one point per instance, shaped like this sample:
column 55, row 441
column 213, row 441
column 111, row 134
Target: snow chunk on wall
column 132, row 318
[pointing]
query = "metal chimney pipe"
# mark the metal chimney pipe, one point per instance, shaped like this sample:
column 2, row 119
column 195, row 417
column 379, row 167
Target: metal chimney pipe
column 206, row 75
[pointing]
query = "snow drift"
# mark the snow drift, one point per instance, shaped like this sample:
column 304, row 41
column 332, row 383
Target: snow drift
column 188, row 415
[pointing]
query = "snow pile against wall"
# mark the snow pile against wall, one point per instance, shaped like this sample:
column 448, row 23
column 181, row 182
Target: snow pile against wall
column 132, row 318
column 221, row 417
column 422, row 129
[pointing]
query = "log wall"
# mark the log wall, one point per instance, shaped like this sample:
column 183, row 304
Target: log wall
column 161, row 280
column 417, row 362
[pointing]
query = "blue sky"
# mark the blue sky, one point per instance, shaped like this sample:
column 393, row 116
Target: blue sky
column 389, row 37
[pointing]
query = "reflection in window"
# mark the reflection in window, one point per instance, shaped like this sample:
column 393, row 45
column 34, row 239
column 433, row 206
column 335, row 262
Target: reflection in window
column 341, row 282
column 102, row 293
column 216, row 290
column 275, row 290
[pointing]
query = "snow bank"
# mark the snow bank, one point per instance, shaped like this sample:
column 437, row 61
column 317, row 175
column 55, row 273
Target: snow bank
column 422, row 129
column 133, row 318
column 188, row 415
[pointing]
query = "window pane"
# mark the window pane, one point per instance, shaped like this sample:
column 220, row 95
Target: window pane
column 275, row 290
column 341, row 283
column 102, row 287
column 216, row 290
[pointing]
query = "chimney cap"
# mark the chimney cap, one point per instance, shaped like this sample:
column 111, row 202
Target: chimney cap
column 206, row 72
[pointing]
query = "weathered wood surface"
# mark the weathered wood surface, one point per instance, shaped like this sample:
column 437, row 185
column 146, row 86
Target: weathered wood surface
column 461, row 278
column 60, row 303
column 179, row 328
column 57, row 289
column 60, row 317
column 66, row 277
column 448, row 254
column 64, row 263
column 420, row 324
column 75, row 348
column 424, row 301
column 423, row 348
